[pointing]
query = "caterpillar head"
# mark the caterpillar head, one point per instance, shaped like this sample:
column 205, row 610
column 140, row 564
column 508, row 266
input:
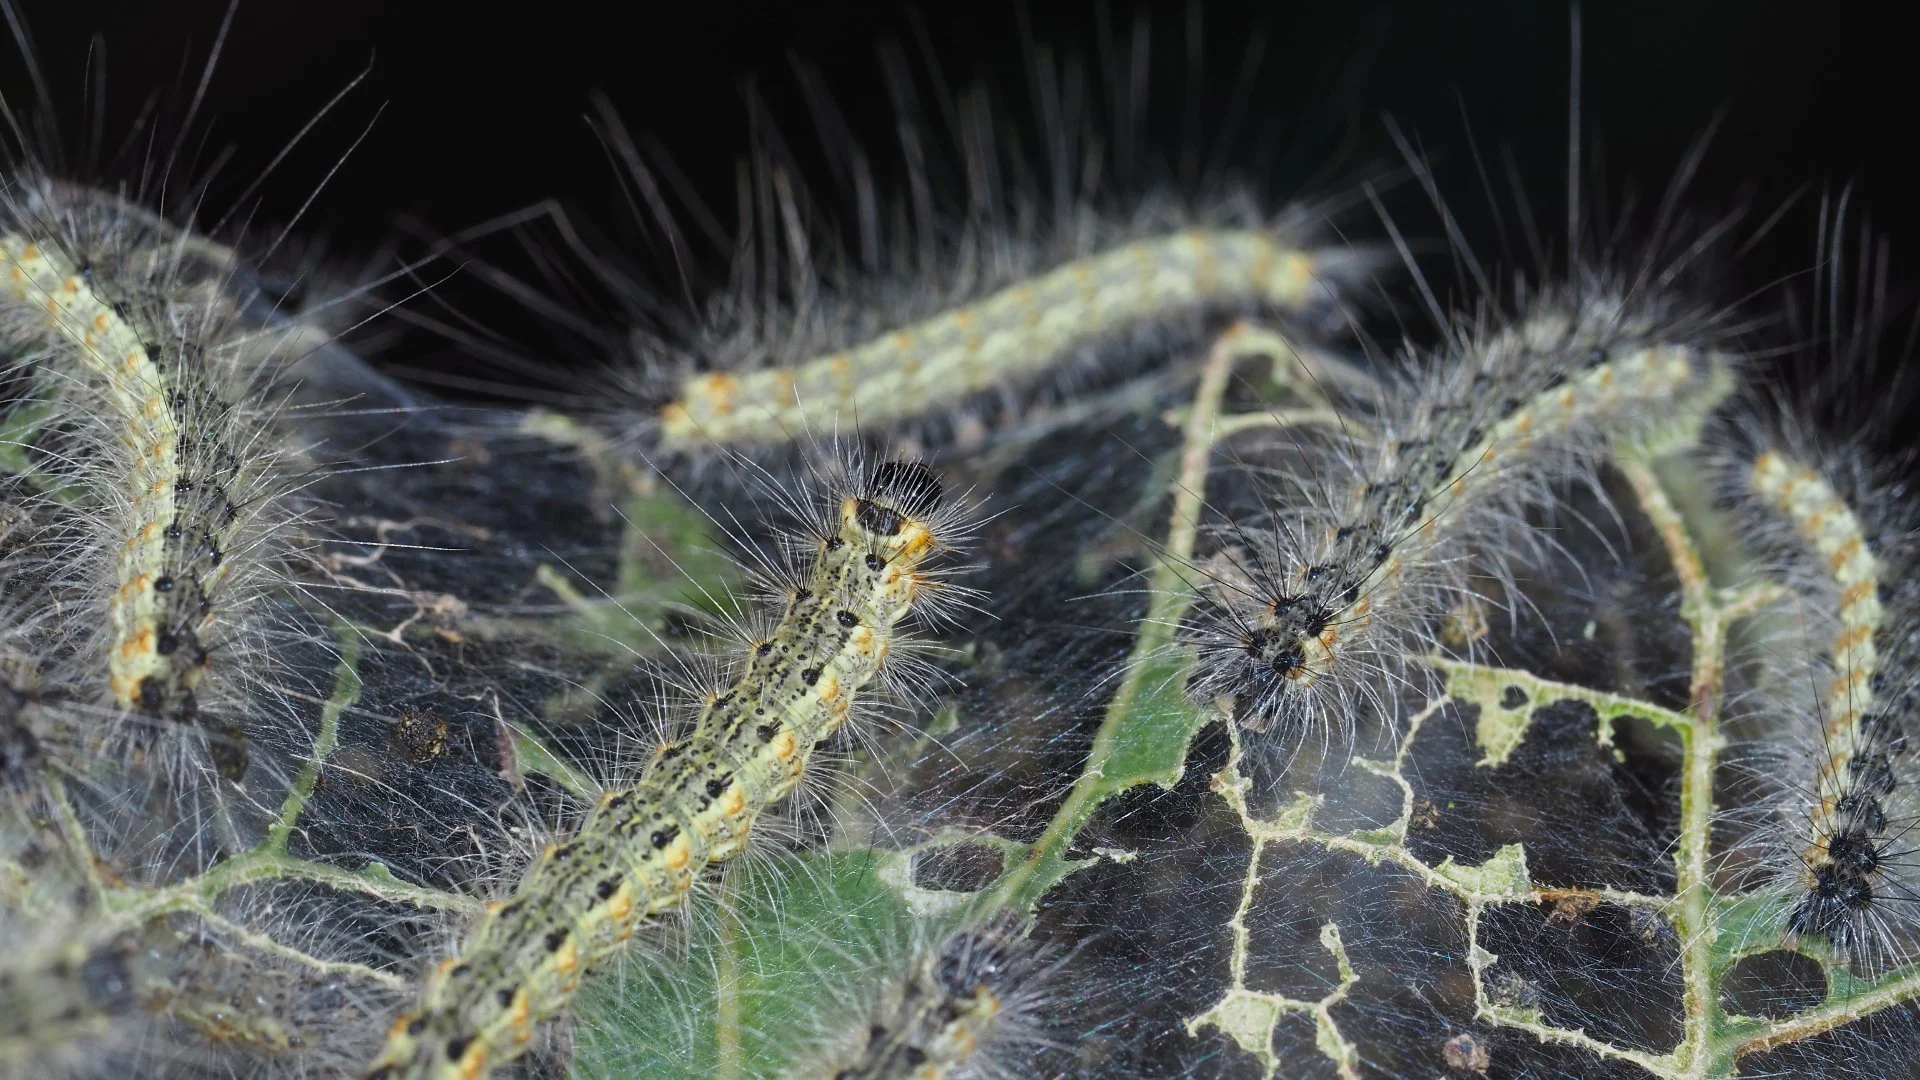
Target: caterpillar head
column 1264, row 648
column 889, row 510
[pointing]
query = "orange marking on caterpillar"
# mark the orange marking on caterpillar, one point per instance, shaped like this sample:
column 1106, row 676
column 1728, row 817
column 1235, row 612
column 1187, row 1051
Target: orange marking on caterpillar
column 1852, row 638
column 1844, row 554
column 784, row 747
column 522, row 1017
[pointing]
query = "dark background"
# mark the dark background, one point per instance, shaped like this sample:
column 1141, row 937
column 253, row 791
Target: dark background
column 476, row 111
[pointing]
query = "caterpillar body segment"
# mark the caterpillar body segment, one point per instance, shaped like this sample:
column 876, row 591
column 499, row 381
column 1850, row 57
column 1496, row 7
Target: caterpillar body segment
column 1827, row 525
column 107, row 345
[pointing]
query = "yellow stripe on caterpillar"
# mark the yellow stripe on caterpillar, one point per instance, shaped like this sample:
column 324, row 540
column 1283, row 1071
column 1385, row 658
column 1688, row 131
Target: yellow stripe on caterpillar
column 1830, row 528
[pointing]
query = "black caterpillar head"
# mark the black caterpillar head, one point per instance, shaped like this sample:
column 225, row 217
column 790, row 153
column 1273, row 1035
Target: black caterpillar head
column 1275, row 657
column 895, row 491
column 1269, row 658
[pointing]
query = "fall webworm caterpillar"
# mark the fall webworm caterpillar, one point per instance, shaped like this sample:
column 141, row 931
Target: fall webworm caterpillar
column 1288, row 626
column 153, row 377
column 1008, row 337
column 642, row 847
column 110, row 350
column 1315, row 601
column 1829, row 733
column 962, row 1005
column 1849, row 796
column 157, row 373
column 165, row 384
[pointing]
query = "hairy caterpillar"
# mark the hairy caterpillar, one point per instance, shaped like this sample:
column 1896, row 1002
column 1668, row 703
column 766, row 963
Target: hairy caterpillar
column 642, row 847
column 1007, row 337
column 110, row 350
column 152, row 371
column 1494, row 414
column 142, row 347
column 63, row 997
column 960, row 1007
column 83, row 996
column 66, row 982
column 1828, row 738
column 951, row 281
column 22, row 753
column 1854, row 873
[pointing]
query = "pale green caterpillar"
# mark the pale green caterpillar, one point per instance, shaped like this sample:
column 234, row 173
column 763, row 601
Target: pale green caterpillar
column 1004, row 338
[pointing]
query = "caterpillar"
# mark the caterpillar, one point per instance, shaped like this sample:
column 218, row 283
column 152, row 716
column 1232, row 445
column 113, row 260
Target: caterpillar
column 1290, row 613
column 83, row 994
column 1852, row 878
column 962, row 1006
column 167, row 431
column 66, row 976
column 1829, row 517
column 1007, row 337
column 954, row 279
column 64, row 997
column 643, row 846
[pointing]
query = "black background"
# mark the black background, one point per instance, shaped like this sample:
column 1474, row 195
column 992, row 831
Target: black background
column 474, row 111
